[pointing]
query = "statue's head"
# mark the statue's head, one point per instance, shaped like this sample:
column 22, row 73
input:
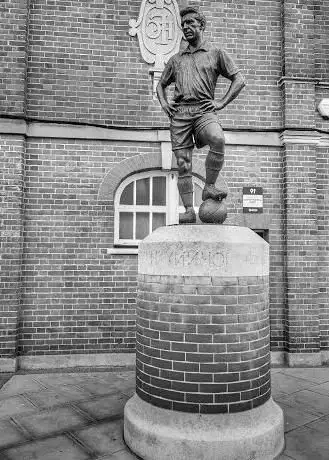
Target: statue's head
column 191, row 11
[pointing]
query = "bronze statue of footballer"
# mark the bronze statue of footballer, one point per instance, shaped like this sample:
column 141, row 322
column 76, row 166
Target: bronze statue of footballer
column 193, row 117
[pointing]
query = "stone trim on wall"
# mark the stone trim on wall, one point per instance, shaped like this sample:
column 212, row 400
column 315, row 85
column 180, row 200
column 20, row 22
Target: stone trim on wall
column 316, row 81
column 81, row 131
column 76, row 360
column 37, row 362
column 70, row 131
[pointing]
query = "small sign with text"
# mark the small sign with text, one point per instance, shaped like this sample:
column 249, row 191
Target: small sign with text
column 252, row 200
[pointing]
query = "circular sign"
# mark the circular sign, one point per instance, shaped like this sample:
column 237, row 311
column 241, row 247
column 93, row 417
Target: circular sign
column 159, row 30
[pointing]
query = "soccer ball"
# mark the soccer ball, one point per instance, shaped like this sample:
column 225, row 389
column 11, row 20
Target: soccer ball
column 213, row 211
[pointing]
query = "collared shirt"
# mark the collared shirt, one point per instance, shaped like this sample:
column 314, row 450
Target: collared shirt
column 195, row 72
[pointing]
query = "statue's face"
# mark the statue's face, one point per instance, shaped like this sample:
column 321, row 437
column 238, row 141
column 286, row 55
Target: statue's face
column 191, row 27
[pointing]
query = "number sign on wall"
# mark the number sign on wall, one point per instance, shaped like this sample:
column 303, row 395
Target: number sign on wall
column 252, row 200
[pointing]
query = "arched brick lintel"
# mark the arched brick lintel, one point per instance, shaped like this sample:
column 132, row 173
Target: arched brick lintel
column 125, row 168
column 135, row 164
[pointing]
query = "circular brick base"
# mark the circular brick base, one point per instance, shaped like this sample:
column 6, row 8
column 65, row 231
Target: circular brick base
column 155, row 433
column 202, row 342
column 202, row 347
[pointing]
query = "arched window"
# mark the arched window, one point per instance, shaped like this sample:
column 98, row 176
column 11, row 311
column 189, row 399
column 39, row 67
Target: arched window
column 146, row 201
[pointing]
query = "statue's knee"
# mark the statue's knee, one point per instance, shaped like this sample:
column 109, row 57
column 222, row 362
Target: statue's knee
column 217, row 143
column 184, row 165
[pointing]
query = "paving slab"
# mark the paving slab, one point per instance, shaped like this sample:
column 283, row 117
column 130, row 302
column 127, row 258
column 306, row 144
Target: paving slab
column 98, row 387
column 63, row 394
column 103, row 438
column 277, row 394
column 121, row 380
column 58, row 448
column 104, row 407
column 127, row 387
column 296, row 416
column 51, row 421
column 323, row 388
column 20, row 384
column 317, row 375
column 321, row 425
column 9, row 434
column 15, row 405
column 4, row 377
column 288, row 384
column 284, row 457
column 128, row 375
column 310, row 401
column 55, row 380
column 307, row 444
column 121, row 455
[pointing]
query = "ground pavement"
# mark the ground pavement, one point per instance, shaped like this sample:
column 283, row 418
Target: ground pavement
column 79, row 415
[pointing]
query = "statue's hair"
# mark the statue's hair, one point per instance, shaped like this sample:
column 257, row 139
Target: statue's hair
column 198, row 16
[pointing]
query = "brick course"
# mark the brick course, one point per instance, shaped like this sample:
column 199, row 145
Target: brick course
column 11, row 230
column 13, row 20
column 224, row 365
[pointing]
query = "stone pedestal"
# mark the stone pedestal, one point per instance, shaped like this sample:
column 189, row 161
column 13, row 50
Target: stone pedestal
column 203, row 360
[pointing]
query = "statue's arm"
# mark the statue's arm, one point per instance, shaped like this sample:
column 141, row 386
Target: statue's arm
column 167, row 77
column 237, row 84
column 169, row 109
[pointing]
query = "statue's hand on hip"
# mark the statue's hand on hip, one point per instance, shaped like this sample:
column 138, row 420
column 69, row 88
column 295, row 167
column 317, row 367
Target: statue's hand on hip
column 219, row 105
column 209, row 106
column 170, row 109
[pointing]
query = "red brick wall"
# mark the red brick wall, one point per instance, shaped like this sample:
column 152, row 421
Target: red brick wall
column 322, row 71
column 84, row 66
column 321, row 49
column 11, row 188
column 323, row 238
column 263, row 167
column 76, row 298
column 299, row 99
column 12, row 54
column 298, row 38
column 302, row 314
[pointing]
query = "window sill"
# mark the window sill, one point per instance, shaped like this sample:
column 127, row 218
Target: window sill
column 122, row 251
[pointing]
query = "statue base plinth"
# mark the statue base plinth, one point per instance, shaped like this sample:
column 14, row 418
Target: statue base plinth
column 155, row 433
column 203, row 376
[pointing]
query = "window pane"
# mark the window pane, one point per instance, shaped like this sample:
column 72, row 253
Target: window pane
column 197, row 195
column 159, row 220
column 127, row 196
column 143, row 191
column 159, row 191
column 142, row 225
column 126, row 225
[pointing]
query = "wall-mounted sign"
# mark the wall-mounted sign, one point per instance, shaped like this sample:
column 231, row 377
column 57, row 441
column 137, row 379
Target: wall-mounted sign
column 323, row 107
column 252, row 200
column 159, row 33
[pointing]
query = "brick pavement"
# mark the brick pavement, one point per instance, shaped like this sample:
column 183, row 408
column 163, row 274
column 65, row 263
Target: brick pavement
column 79, row 415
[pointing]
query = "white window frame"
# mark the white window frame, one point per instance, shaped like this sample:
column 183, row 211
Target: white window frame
column 171, row 209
